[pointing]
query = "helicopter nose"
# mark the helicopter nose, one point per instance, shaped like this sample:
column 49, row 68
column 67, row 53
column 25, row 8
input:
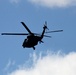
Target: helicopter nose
column 23, row 46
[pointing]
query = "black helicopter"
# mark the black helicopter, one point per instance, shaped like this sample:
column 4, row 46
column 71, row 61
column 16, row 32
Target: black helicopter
column 33, row 38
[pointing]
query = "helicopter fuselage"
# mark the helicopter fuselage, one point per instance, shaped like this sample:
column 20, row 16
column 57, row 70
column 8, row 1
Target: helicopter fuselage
column 31, row 41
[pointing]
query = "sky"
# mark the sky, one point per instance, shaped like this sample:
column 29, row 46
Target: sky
column 56, row 56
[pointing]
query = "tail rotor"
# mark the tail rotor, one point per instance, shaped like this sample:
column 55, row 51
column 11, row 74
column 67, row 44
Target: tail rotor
column 45, row 25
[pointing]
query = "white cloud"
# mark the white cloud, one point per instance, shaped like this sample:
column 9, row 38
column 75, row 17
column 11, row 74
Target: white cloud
column 50, row 64
column 54, row 3
column 8, row 65
column 15, row 1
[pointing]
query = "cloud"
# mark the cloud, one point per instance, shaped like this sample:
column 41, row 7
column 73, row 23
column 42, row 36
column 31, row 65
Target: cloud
column 50, row 64
column 8, row 65
column 15, row 1
column 54, row 3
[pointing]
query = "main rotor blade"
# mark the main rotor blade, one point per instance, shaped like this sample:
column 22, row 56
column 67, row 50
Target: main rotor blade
column 44, row 35
column 40, row 35
column 54, row 31
column 14, row 34
column 47, row 36
column 26, row 27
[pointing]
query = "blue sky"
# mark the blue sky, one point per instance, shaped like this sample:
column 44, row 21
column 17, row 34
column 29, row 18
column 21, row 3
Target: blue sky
column 60, row 14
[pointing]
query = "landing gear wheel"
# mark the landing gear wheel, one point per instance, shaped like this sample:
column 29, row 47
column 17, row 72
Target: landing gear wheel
column 34, row 48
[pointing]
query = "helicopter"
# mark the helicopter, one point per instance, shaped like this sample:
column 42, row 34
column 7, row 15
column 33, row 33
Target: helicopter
column 33, row 38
